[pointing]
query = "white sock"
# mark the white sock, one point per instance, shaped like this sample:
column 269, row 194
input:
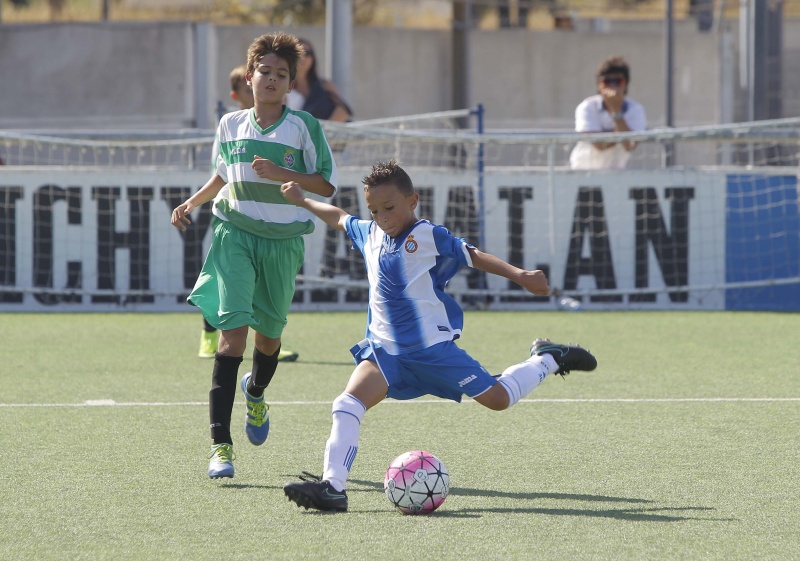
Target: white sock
column 341, row 448
column 520, row 379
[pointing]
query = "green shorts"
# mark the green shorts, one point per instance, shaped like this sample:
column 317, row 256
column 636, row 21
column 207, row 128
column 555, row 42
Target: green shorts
column 248, row 280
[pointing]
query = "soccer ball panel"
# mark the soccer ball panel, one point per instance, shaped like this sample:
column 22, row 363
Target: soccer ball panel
column 416, row 482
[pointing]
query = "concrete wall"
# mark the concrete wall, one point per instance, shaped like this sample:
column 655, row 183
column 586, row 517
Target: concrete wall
column 112, row 75
column 143, row 74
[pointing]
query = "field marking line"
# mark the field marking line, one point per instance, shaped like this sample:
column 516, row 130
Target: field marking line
column 112, row 403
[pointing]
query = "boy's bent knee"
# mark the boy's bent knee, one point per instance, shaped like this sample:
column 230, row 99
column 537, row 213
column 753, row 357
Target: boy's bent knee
column 495, row 398
column 233, row 342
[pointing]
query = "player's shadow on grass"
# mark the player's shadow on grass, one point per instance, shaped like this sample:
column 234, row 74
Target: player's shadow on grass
column 247, row 486
column 632, row 513
column 524, row 496
column 654, row 514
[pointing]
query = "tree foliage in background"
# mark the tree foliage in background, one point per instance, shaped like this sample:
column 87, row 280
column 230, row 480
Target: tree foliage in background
column 627, row 3
column 20, row 3
column 291, row 12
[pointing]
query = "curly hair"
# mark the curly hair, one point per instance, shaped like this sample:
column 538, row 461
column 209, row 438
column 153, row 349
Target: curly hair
column 389, row 171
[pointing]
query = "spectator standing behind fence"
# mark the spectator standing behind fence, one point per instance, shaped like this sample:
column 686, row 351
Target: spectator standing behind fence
column 610, row 110
column 242, row 94
column 315, row 95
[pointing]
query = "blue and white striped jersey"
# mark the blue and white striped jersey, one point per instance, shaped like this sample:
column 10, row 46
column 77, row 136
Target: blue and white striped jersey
column 408, row 307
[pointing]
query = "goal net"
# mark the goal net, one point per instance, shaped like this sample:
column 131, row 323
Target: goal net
column 701, row 217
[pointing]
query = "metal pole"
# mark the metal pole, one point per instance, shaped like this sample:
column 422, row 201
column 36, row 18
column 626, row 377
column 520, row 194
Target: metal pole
column 462, row 22
column 478, row 112
column 551, row 191
column 669, row 46
column 339, row 44
column 204, row 74
column 746, row 70
column 746, row 57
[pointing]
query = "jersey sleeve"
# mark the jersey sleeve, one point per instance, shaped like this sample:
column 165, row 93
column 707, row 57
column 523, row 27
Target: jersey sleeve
column 450, row 246
column 358, row 231
column 317, row 152
column 220, row 166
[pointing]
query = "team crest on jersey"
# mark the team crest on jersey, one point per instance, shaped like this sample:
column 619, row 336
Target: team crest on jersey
column 411, row 245
column 288, row 159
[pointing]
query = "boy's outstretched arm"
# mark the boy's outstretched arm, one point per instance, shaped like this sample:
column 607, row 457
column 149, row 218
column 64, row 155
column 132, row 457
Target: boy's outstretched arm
column 534, row 282
column 333, row 216
column 180, row 216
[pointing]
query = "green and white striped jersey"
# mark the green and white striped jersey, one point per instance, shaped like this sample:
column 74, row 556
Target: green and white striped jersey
column 252, row 203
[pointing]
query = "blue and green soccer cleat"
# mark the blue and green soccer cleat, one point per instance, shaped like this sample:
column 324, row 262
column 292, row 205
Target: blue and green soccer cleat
column 221, row 464
column 256, row 422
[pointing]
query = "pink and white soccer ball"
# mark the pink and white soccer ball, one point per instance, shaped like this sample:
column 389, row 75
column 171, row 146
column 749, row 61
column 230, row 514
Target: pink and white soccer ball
column 416, row 482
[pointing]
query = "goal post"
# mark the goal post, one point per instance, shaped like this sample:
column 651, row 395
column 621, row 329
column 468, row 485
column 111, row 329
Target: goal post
column 84, row 222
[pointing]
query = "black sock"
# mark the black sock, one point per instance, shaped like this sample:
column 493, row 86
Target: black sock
column 207, row 326
column 264, row 367
column 221, row 396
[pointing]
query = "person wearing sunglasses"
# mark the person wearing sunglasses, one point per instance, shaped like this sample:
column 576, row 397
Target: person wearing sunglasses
column 610, row 110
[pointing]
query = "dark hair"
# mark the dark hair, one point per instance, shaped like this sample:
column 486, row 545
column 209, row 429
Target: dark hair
column 614, row 65
column 308, row 50
column 389, row 172
column 283, row 45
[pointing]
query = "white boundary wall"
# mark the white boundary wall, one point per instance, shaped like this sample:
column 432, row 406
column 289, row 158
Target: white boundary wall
column 547, row 221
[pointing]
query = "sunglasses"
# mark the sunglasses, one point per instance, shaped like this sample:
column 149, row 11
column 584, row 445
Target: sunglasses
column 608, row 81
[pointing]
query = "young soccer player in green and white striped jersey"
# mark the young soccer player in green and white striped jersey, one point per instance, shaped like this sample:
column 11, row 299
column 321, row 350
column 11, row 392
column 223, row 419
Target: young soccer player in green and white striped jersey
column 242, row 94
column 248, row 278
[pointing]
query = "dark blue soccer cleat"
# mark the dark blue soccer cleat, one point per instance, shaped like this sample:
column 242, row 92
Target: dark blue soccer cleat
column 319, row 495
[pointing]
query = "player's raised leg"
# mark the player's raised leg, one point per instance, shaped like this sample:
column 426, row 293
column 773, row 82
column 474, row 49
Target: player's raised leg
column 518, row 380
column 568, row 357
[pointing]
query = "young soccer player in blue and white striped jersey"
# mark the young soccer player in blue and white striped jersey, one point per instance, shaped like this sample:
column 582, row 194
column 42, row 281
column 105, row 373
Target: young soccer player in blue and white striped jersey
column 248, row 278
column 412, row 324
